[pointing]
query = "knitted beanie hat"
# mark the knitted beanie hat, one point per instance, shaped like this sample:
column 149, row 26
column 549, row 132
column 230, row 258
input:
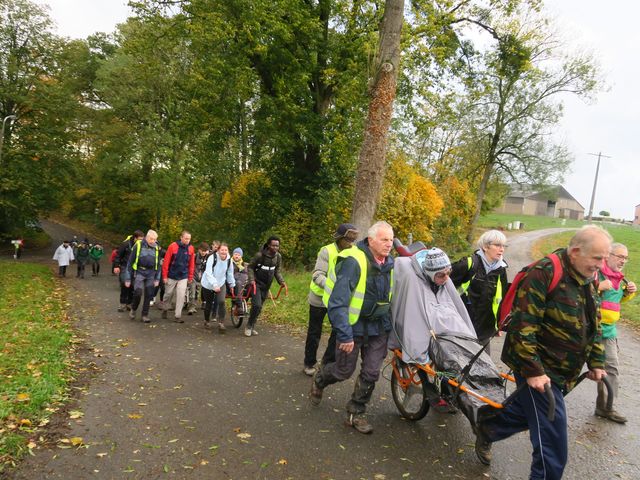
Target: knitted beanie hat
column 237, row 250
column 435, row 261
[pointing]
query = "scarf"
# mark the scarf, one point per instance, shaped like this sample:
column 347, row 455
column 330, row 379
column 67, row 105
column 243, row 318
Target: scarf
column 615, row 277
column 490, row 267
column 239, row 264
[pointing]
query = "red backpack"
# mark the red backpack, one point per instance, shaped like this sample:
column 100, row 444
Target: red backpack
column 504, row 313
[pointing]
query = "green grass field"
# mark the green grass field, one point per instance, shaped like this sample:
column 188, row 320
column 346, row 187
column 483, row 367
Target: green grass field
column 34, row 360
column 630, row 236
column 501, row 220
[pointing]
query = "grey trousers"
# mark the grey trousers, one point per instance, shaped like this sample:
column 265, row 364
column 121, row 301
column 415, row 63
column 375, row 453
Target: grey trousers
column 611, row 364
column 372, row 356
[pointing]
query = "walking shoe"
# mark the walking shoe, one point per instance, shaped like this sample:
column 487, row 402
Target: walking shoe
column 247, row 332
column 178, row 320
column 128, row 306
column 121, row 307
column 165, row 314
column 132, row 314
column 359, row 422
column 254, row 332
column 311, row 371
column 146, row 319
column 192, row 311
column 151, row 302
column 611, row 415
column 221, row 328
column 483, row 445
column 315, row 394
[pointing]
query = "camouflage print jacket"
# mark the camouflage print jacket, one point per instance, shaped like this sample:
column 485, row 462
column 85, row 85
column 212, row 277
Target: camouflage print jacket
column 555, row 335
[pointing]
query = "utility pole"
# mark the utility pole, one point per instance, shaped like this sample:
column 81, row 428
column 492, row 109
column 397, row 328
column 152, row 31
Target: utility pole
column 8, row 117
column 595, row 183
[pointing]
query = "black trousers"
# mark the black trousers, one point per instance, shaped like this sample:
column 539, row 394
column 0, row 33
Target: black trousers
column 62, row 270
column 257, row 299
column 314, row 333
column 214, row 301
column 126, row 293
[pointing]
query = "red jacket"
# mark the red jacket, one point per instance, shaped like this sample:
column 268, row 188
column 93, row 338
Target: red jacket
column 172, row 250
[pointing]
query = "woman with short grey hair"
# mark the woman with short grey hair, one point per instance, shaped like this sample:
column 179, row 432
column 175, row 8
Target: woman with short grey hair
column 482, row 281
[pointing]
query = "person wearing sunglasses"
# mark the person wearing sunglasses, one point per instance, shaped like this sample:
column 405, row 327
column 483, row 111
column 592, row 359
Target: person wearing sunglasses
column 482, row 281
column 614, row 289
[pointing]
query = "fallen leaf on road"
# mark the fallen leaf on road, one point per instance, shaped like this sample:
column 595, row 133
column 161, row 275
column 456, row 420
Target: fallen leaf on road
column 282, row 461
column 237, row 430
column 244, row 435
column 102, row 454
column 204, row 462
column 279, row 359
column 75, row 441
column 25, row 422
column 75, row 414
column 31, row 445
column 174, row 440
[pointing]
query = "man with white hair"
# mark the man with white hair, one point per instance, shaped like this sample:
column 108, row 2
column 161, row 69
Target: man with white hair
column 358, row 308
column 614, row 289
column 549, row 339
column 143, row 266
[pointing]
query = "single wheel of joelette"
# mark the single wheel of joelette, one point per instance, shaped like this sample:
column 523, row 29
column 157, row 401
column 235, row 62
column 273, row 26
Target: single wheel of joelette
column 409, row 396
column 237, row 315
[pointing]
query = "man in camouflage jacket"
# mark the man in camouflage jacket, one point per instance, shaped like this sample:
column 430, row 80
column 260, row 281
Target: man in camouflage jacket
column 550, row 337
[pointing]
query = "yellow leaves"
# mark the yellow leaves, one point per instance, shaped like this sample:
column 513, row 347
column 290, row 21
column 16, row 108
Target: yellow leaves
column 101, row 454
column 25, row 422
column 410, row 202
column 243, row 436
column 280, row 359
column 23, row 397
column 282, row 461
column 71, row 442
column 73, row 414
column 135, row 416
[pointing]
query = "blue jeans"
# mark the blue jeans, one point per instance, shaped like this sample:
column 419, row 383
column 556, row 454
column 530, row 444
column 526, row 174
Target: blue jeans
column 549, row 439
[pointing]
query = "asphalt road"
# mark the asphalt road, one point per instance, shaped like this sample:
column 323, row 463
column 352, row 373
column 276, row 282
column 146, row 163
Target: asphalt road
column 170, row 400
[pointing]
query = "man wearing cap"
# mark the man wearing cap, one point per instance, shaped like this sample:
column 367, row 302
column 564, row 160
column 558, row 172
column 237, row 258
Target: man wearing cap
column 358, row 309
column 344, row 236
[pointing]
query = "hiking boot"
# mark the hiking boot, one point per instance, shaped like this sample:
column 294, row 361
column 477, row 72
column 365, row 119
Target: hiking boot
column 611, row 415
column 146, row 319
column 359, row 422
column 247, row 332
column 315, row 394
column 221, row 328
column 311, row 371
column 165, row 314
column 151, row 303
column 122, row 307
column 483, row 445
column 178, row 320
column 132, row 314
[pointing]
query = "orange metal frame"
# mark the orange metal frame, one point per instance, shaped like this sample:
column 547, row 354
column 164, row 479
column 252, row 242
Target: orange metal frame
column 415, row 379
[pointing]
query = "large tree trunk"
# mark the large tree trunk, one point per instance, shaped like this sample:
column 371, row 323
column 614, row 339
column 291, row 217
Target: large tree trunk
column 371, row 162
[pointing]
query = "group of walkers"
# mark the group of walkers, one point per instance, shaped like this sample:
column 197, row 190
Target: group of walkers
column 83, row 252
column 555, row 327
column 181, row 275
column 552, row 334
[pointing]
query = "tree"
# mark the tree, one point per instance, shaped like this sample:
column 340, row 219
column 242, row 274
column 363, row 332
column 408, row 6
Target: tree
column 382, row 92
column 38, row 86
column 604, row 213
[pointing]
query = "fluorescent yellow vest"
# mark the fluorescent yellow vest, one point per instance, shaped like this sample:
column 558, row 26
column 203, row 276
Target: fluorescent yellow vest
column 497, row 298
column 357, row 298
column 332, row 249
column 137, row 246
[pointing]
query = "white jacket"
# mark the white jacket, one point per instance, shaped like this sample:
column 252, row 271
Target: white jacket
column 64, row 256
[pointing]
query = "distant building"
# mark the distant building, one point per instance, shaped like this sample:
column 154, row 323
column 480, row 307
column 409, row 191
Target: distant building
column 553, row 201
column 636, row 215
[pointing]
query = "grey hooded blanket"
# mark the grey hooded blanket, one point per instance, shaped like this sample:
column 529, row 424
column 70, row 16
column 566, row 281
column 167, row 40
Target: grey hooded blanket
column 417, row 313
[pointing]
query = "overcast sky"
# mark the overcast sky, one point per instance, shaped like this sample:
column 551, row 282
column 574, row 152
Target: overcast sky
column 610, row 125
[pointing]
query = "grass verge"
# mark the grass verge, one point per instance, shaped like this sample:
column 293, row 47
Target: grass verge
column 292, row 311
column 34, row 360
column 624, row 234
